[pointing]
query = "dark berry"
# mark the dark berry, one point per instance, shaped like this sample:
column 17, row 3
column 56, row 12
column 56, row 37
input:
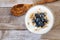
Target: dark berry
column 37, row 19
column 37, row 15
column 42, row 14
column 42, row 24
column 38, row 24
column 40, row 20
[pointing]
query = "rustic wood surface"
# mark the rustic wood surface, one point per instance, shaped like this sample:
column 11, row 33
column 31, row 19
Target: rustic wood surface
column 20, row 32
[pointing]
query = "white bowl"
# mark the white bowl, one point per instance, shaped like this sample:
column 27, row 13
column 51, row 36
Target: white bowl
column 50, row 17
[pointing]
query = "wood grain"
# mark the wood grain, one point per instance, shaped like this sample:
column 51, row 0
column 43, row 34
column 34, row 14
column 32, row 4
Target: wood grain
column 8, row 22
column 54, row 34
column 18, row 35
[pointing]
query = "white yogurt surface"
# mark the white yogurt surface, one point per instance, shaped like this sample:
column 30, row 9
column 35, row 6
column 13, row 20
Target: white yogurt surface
column 35, row 9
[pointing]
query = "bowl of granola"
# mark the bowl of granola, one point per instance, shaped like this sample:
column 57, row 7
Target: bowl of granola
column 39, row 19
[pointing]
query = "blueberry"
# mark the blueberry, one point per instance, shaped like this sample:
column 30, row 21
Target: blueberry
column 42, row 19
column 37, row 15
column 42, row 24
column 38, row 24
column 37, row 19
column 42, row 14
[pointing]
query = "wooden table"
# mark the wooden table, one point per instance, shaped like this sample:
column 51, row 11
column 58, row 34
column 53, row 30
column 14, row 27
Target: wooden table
column 13, row 28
